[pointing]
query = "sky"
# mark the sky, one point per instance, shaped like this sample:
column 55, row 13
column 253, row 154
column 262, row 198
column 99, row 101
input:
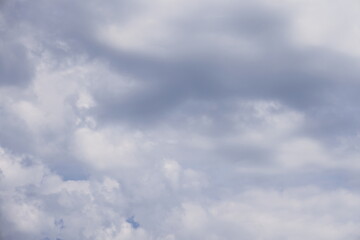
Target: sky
column 179, row 120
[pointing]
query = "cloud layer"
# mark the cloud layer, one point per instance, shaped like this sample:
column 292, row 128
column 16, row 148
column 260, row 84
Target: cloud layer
column 179, row 120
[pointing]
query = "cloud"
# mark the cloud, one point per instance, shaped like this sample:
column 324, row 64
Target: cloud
column 178, row 120
column 200, row 62
column 57, row 208
column 16, row 67
column 13, row 55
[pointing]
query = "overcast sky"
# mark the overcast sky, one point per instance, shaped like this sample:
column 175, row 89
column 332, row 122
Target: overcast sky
column 179, row 120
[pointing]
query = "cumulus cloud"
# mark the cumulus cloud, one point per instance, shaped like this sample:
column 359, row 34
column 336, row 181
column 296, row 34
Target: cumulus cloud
column 178, row 120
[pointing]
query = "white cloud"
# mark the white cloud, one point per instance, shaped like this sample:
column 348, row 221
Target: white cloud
column 327, row 24
column 101, row 138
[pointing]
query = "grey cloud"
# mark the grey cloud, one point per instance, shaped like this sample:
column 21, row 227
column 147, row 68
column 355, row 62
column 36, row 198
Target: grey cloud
column 201, row 69
column 224, row 124
column 65, row 20
column 304, row 79
column 281, row 72
column 15, row 66
column 14, row 133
